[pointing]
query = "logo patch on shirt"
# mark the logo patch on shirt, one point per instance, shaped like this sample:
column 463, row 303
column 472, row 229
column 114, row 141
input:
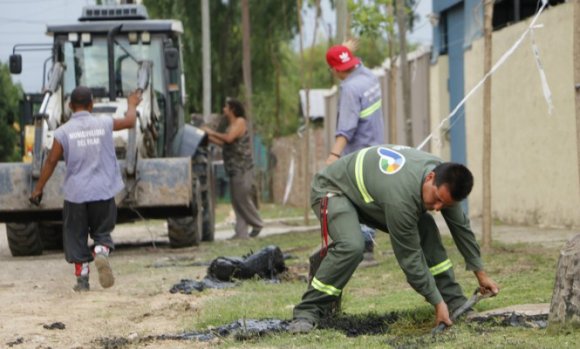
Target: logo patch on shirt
column 391, row 161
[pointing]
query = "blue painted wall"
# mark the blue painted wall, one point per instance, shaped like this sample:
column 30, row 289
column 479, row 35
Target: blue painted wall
column 460, row 22
column 455, row 30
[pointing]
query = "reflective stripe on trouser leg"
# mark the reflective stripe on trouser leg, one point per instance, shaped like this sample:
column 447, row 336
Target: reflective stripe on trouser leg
column 441, row 267
column 439, row 263
column 336, row 269
column 328, row 289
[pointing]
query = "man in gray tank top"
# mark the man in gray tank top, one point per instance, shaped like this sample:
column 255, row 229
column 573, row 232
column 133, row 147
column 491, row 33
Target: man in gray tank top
column 91, row 182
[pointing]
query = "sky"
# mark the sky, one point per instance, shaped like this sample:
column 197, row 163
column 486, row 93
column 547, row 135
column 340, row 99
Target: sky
column 24, row 21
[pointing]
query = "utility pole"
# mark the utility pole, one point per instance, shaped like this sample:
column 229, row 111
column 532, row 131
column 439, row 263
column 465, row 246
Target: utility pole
column 205, row 62
column 341, row 25
column 247, row 65
column 392, row 77
column 306, row 139
column 402, row 24
column 576, row 36
column 487, row 52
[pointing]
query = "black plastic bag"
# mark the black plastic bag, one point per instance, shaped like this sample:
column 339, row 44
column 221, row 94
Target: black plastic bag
column 266, row 263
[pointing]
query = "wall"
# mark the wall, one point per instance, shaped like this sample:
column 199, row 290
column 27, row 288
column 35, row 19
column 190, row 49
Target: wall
column 439, row 108
column 419, row 67
column 285, row 149
column 534, row 161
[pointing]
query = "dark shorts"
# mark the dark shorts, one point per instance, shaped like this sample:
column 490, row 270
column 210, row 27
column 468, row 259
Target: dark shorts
column 95, row 219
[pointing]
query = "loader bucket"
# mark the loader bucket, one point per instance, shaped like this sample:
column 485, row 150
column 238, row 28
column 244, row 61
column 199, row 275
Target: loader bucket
column 162, row 186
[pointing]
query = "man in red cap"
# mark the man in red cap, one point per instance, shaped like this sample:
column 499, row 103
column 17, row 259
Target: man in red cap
column 360, row 115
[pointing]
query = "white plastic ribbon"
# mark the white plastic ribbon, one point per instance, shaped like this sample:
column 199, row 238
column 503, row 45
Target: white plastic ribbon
column 289, row 180
column 545, row 86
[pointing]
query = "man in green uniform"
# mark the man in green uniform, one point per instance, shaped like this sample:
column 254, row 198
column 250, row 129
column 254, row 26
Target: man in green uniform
column 392, row 188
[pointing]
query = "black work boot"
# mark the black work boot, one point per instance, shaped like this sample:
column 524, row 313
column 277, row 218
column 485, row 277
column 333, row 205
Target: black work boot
column 82, row 284
column 255, row 232
column 301, row 325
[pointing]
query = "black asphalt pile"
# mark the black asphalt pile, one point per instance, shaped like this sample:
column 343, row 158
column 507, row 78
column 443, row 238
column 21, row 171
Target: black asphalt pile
column 268, row 264
column 55, row 326
column 350, row 325
column 243, row 329
column 360, row 324
column 248, row 329
column 514, row 319
column 188, row 286
column 18, row 341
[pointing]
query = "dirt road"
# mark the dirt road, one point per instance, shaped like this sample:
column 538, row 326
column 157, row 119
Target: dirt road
column 36, row 291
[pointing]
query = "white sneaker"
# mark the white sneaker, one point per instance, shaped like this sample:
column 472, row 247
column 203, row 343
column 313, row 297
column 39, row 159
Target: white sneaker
column 106, row 277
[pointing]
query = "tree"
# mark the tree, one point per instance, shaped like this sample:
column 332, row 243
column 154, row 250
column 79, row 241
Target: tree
column 406, row 82
column 9, row 98
column 247, row 63
column 374, row 23
column 565, row 305
column 577, row 77
column 486, row 164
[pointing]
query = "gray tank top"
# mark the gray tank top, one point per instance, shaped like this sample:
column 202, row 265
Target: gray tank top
column 238, row 155
column 92, row 171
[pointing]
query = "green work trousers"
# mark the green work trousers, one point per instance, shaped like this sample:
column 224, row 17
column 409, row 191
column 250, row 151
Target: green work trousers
column 346, row 252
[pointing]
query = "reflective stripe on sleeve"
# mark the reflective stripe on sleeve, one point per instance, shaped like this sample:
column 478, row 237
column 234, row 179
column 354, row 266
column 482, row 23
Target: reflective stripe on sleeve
column 371, row 109
column 360, row 183
column 328, row 289
column 441, row 267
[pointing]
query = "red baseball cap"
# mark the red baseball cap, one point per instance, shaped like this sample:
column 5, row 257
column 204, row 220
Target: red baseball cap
column 340, row 58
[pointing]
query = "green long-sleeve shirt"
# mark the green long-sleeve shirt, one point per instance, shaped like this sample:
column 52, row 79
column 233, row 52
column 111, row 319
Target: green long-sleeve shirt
column 384, row 184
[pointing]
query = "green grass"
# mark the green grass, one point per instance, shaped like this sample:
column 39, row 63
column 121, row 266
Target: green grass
column 525, row 273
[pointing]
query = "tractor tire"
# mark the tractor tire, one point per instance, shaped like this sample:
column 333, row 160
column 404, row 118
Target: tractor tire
column 208, row 202
column 182, row 232
column 51, row 235
column 24, row 239
column 208, row 225
column 186, row 231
